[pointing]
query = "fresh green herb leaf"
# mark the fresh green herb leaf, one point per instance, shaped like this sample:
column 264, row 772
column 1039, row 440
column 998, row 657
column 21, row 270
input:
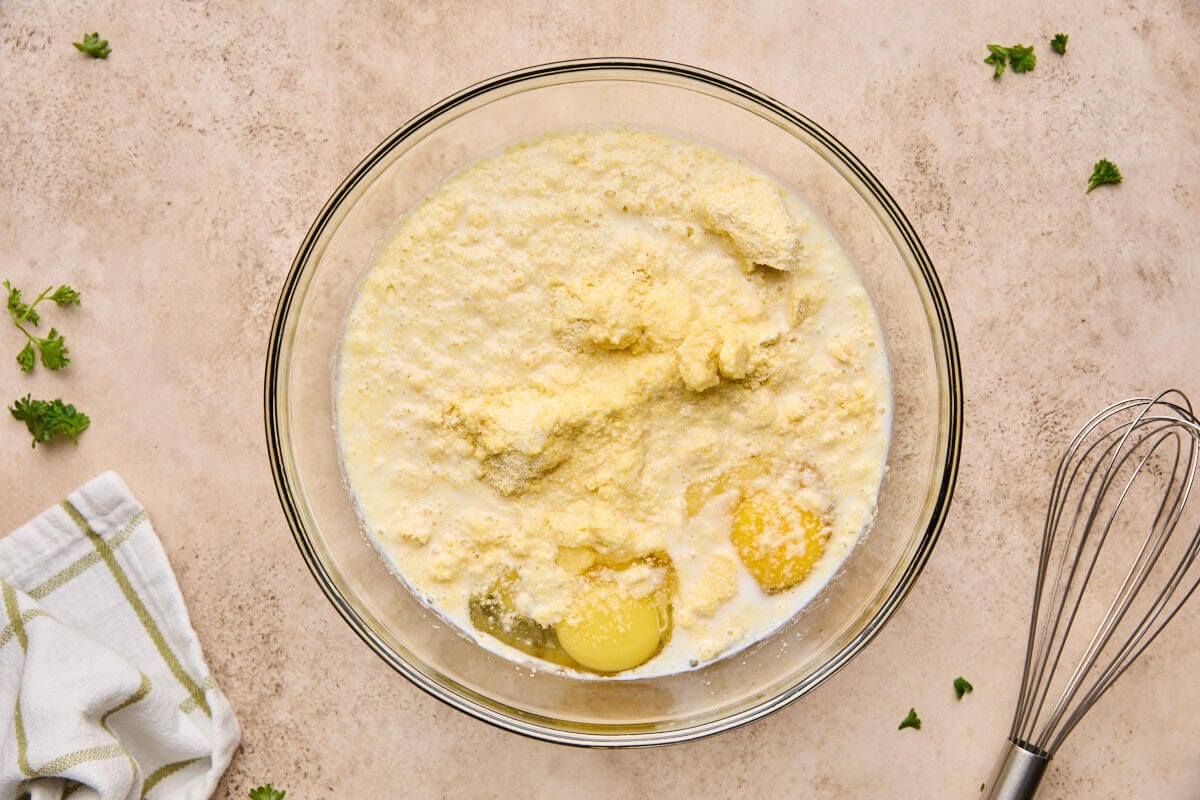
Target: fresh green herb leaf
column 962, row 686
column 266, row 793
column 20, row 311
column 93, row 45
column 1019, row 57
column 63, row 420
column 1104, row 172
column 998, row 58
column 26, row 357
column 29, row 411
column 911, row 721
column 53, row 350
column 1059, row 44
column 65, row 296
column 49, row 419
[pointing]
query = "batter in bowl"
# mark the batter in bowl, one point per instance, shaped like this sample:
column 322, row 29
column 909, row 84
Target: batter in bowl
column 612, row 402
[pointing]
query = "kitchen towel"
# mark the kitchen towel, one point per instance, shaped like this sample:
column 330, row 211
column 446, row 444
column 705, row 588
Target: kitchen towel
column 103, row 689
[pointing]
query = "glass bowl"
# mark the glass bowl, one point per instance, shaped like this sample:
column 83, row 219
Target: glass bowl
column 695, row 104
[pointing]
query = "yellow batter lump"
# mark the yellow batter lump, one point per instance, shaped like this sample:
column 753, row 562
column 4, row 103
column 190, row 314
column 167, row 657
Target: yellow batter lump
column 613, row 402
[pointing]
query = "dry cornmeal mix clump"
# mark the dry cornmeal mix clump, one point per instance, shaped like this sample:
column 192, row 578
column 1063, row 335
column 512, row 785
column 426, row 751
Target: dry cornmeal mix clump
column 613, row 400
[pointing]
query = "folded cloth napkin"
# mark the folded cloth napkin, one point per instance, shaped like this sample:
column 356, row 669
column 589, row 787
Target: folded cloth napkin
column 103, row 688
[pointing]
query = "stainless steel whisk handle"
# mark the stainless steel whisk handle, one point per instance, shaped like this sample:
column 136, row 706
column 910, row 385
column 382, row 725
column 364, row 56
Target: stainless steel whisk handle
column 1018, row 773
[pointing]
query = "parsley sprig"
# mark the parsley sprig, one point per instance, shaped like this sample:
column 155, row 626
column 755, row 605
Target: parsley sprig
column 49, row 419
column 51, row 348
column 266, row 793
column 911, row 721
column 1104, row 172
column 93, row 45
column 962, row 686
column 1019, row 57
column 1059, row 44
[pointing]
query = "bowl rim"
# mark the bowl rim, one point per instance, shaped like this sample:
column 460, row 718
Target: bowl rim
column 522, row 724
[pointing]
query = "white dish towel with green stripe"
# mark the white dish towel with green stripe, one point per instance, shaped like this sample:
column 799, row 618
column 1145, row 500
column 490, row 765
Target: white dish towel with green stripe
column 103, row 689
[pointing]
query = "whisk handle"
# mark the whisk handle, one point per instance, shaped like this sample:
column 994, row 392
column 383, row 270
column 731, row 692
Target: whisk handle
column 1018, row 774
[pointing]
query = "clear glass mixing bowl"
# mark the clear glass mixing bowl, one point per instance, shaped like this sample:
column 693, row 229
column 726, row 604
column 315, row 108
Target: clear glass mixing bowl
column 696, row 104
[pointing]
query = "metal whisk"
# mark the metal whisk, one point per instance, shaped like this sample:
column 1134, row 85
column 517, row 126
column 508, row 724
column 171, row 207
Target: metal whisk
column 1119, row 496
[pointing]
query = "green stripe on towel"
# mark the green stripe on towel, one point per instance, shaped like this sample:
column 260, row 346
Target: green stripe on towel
column 14, row 614
column 69, row 760
column 139, row 608
column 141, row 692
column 9, row 631
column 64, row 576
column 165, row 772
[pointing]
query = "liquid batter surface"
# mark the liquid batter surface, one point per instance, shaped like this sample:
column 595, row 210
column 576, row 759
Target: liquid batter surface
column 613, row 402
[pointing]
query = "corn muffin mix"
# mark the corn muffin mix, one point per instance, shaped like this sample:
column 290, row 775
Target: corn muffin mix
column 613, row 402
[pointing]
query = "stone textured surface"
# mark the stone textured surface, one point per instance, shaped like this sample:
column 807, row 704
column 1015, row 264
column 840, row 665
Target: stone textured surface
column 173, row 182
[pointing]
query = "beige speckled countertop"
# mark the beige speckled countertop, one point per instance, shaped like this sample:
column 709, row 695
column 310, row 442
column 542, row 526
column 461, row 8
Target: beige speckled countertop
column 173, row 182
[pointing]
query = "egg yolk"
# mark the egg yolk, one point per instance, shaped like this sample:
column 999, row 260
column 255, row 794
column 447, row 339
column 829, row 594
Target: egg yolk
column 493, row 613
column 609, row 630
column 778, row 542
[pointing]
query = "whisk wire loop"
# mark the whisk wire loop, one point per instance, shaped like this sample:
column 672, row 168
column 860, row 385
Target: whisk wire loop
column 1047, row 661
column 1156, row 617
column 1139, row 570
column 1133, row 444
